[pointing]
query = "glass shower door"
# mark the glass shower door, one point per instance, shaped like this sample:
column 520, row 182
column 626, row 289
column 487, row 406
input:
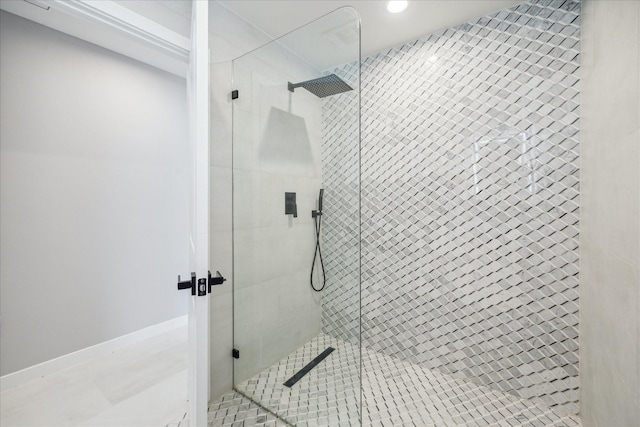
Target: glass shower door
column 296, row 231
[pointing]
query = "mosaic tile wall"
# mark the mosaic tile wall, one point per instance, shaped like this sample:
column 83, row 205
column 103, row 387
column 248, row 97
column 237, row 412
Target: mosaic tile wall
column 341, row 212
column 470, row 186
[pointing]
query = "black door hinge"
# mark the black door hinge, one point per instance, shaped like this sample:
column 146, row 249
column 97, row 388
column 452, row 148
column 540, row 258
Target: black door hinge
column 188, row 284
column 235, row 353
column 218, row 280
column 235, row 94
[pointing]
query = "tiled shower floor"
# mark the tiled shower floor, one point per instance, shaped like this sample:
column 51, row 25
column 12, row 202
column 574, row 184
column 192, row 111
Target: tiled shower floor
column 395, row 393
column 327, row 395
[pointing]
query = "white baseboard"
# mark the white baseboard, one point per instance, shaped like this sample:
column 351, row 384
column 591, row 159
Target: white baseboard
column 50, row 366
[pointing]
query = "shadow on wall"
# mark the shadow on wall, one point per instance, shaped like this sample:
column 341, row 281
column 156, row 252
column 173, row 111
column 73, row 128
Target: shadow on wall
column 286, row 139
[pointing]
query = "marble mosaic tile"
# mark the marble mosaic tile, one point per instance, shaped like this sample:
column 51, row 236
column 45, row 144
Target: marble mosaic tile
column 327, row 395
column 470, row 203
column 395, row 393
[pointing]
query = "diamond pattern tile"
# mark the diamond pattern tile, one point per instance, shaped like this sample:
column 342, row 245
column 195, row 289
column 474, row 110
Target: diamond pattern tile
column 470, row 203
column 395, row 393
column 341, row 213
column 400, row 393
column 235, row 410
column 328, row 395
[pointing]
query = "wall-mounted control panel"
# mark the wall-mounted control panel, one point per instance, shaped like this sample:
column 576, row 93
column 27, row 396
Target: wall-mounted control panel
column 290, row 206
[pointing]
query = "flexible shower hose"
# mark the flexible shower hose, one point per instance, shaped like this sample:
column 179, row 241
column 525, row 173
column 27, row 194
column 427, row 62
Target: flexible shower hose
column 317, row 220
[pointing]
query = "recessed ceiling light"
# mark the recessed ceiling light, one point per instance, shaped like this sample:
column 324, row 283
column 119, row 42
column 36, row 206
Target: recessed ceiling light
column 397, row 6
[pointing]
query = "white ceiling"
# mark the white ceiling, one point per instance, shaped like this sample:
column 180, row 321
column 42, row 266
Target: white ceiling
column 173, row 14
column 380, row 29
column 157, row 31
column 146, row 37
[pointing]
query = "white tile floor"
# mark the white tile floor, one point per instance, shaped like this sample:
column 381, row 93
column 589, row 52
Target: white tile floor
column 399, row 393
column 138, row 386
column 328, row 395
column 145, row 385
column 395, row 393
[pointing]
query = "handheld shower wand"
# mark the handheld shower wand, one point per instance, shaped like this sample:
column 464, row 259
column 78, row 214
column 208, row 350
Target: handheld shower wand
column 317, row 220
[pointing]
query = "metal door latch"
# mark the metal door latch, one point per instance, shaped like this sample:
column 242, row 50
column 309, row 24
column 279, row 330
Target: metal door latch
column 204, row 285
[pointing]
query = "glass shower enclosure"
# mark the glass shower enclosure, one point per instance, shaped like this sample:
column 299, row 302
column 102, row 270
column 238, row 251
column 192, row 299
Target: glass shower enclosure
column 296, row 206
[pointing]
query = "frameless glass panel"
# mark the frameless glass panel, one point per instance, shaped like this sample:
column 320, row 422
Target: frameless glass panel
column 296, row 214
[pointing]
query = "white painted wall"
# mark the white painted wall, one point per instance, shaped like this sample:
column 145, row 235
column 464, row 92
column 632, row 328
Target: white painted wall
column 610, row 215
column 93, row 183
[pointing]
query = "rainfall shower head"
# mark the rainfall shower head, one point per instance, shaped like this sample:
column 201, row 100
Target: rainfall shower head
column 323, row 86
